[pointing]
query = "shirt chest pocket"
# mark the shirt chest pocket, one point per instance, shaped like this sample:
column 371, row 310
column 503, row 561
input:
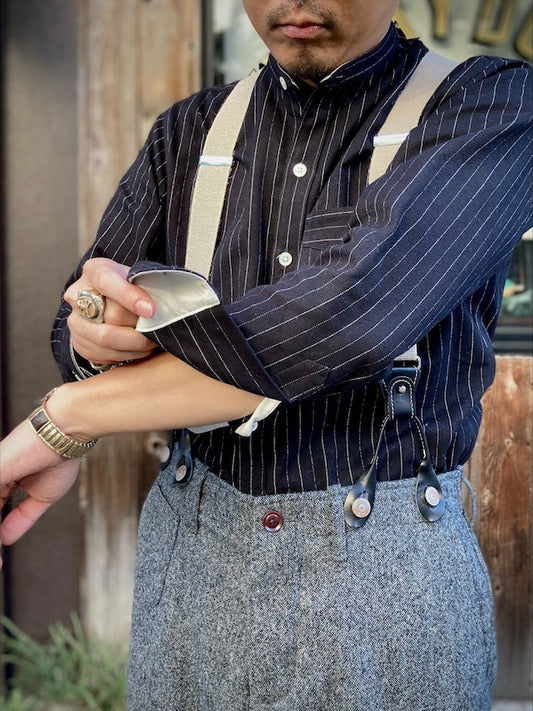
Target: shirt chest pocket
column 321, row 232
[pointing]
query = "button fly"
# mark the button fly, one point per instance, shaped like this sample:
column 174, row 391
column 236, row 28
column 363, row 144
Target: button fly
column 272, row 521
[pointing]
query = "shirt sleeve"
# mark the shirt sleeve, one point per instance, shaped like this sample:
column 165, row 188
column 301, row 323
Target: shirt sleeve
column 442, row 221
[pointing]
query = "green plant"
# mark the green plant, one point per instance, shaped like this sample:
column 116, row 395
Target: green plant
column 16, row 701
column 71, row 672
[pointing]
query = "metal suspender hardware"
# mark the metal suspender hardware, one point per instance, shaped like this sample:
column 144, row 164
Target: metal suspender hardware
column 184, row 464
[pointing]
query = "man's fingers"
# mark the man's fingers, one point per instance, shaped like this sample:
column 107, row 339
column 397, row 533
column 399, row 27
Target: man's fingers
column 21, row 519
column 107, row 343
column 110, row 279
column 117, row 315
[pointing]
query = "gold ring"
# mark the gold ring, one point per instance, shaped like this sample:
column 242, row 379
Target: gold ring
column 91, row 305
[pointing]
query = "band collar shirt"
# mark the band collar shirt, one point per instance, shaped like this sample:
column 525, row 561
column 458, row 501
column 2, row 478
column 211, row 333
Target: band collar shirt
column 320, row 280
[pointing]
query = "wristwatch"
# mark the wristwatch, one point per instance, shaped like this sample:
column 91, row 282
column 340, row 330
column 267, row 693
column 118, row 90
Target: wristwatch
column 51, row 434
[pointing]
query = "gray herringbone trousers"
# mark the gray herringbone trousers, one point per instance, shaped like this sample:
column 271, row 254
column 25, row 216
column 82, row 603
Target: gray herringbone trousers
column 315, row 616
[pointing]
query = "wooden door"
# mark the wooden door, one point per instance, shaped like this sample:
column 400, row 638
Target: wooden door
column 136, row 59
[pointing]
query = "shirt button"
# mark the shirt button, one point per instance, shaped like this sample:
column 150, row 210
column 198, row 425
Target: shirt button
column 285, row 259
column 272, row 521
column 299, row 170
column 283, row 82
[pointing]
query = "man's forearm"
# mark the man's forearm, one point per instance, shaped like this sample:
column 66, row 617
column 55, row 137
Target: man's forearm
column 161, row 392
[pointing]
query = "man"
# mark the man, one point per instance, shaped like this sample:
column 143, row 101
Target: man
column 273, row 571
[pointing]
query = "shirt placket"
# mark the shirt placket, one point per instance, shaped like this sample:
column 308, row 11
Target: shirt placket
column 299, row 170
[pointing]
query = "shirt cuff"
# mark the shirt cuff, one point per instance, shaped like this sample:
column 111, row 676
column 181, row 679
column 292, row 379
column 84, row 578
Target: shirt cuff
column 249, row 426
column 177, row 294
column 265, row 408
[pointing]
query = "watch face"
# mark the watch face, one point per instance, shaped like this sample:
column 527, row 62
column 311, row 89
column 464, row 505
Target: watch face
column 39, row 419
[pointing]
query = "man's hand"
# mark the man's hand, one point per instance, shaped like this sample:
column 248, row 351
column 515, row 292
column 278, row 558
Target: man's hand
column 115, row 340
column 29, row 464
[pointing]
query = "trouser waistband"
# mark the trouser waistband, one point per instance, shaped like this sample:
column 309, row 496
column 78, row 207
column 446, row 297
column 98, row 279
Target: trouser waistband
column 318, row 513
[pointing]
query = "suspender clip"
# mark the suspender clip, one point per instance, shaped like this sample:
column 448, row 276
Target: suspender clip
column 398, row 388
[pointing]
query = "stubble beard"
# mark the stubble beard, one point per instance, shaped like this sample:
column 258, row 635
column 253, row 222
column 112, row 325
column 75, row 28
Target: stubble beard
column 307, row 68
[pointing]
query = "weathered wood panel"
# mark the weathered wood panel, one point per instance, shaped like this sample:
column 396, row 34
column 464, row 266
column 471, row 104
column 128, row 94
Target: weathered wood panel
column 136, row 58
column 501, row 473
column 170, row 55
column 108, row 109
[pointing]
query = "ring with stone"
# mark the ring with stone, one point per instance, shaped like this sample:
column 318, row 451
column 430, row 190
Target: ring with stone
column 91, row 305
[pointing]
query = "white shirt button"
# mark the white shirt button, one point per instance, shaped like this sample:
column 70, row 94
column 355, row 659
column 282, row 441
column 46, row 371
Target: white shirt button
column 283, row 82
column 299, row 170
column 285, row 259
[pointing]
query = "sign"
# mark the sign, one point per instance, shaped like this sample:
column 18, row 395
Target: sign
column 459, row 29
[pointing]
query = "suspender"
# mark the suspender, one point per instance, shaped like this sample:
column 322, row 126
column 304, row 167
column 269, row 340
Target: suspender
column 206, row 208
column 212, row 177
column 430, row 72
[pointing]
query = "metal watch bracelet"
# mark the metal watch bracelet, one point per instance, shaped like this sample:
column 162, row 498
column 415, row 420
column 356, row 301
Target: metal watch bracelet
column 103, row 367
column 55, row 438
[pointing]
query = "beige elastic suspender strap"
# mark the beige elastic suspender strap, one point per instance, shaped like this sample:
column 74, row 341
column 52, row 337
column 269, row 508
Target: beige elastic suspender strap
column 212, row 177
column 405, row 114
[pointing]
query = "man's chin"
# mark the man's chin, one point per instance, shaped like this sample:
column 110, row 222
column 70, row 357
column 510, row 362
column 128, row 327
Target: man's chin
column 307, row 68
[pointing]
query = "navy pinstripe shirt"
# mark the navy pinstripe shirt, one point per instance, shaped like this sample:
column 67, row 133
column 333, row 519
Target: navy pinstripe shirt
column 324, row 280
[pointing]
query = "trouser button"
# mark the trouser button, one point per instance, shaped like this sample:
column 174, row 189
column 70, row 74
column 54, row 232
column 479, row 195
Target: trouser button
column 272, row 521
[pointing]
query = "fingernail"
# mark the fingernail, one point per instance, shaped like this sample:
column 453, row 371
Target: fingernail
column 144, row 308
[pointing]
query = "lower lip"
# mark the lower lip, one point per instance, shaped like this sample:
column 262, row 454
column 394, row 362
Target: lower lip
column 302, row 32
